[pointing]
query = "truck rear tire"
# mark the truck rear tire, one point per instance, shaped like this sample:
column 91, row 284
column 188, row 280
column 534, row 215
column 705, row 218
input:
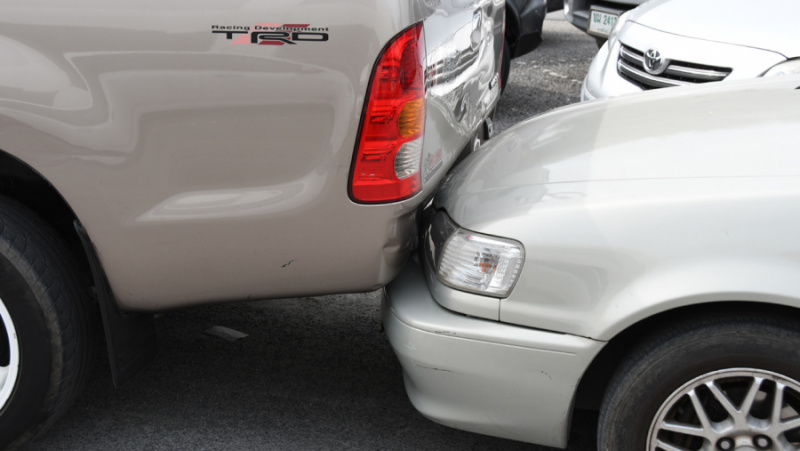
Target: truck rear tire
column 45, row 326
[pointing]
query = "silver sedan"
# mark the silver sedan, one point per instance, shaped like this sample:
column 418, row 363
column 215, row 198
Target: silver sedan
column 638, row 255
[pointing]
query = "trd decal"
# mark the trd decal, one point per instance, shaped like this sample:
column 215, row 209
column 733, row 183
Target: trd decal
column 272, row 33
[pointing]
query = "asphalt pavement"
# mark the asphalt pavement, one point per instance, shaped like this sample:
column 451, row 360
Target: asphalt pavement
column 312, row 373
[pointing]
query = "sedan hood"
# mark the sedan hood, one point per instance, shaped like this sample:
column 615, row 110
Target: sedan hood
column 731, row 130
column 768, row 25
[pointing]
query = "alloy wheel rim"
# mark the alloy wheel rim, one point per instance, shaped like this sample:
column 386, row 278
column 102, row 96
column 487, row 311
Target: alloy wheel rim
column 737, row 409
column 9, row 356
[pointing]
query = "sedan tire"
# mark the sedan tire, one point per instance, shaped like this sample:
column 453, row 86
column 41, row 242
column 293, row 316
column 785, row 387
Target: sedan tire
column 45, row 333
column 726, row 383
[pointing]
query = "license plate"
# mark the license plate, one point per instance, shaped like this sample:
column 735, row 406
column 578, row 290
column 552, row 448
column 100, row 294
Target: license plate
column 601, row 23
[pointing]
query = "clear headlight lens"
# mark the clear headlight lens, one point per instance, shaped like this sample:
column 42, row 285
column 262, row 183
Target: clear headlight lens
column 791, row 67
column 473, row 262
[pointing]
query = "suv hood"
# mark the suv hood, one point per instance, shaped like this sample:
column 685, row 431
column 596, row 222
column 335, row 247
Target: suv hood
column 768, row 24
column 739, row 129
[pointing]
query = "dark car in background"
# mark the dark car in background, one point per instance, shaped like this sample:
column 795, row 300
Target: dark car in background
column 524, row 21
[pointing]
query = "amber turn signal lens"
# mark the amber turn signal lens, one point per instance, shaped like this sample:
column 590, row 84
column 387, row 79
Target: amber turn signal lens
column 412, row 118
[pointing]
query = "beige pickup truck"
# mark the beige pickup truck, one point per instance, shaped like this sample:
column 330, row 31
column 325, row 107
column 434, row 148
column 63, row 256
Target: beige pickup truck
column 161, row 154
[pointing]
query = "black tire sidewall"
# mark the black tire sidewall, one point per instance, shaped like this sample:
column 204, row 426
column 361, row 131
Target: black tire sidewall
column 33, row 388
column 505, row 67
column 659, row 368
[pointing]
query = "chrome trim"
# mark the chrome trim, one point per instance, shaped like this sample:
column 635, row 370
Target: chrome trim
column 631, row 64
column 702, row 74
column 651, row 81
column 631, row 56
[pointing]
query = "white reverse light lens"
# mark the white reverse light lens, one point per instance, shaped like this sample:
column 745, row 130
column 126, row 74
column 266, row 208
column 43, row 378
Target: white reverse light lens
column 480, row 264
column 791, row 67
column 408, row 159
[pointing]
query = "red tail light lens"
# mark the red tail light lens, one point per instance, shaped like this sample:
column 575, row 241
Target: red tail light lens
column 386, row 167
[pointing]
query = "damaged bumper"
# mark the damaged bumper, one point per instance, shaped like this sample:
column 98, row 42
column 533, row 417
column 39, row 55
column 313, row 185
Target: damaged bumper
column 479, row 375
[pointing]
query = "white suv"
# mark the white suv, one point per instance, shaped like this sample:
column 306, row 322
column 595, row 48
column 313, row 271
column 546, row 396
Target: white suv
column 667, row 43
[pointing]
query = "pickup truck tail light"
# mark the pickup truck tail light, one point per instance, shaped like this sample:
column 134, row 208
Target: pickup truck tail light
column 386, row 167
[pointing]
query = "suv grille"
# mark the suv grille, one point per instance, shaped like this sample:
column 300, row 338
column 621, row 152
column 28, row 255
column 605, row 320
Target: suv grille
column 630, row 66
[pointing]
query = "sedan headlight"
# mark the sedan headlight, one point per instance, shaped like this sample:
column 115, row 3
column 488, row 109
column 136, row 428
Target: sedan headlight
column 471, row 261
column 791, row 67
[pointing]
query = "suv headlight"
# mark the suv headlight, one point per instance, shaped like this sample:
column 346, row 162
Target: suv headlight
column 471, row 261
column 791, row 67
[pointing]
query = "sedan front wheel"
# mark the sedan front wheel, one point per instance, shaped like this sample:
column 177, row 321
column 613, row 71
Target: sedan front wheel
column 725, row 384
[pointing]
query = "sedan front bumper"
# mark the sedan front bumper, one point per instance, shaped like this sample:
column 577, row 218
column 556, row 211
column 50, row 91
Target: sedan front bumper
column 480, row 375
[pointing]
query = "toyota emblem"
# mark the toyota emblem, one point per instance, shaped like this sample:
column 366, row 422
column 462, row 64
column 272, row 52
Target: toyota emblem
column 654, row 63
